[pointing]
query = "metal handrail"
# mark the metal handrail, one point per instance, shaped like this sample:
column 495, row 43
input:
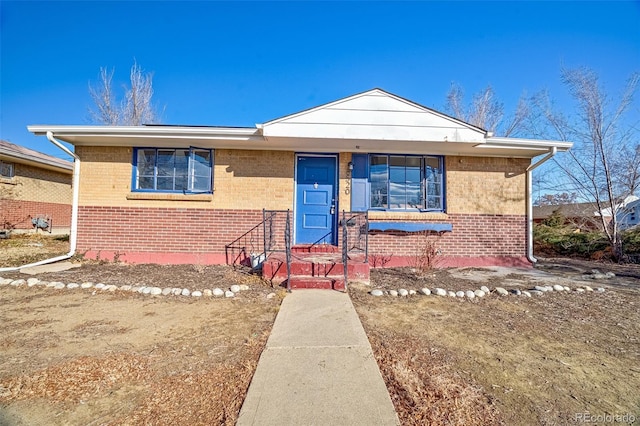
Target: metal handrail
column 345, row 250
column 287, row 246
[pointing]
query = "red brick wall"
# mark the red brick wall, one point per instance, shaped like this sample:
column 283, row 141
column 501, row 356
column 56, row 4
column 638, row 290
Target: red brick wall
column 473, row 236
column 15, row 213
column 178, row 235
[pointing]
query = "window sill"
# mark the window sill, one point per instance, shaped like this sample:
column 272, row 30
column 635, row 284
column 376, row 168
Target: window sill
column 8, row 181
column 169, row 196
column 391, row 215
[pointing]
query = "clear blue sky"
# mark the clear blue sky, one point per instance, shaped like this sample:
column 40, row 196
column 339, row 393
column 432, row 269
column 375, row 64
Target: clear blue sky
column 241, row 63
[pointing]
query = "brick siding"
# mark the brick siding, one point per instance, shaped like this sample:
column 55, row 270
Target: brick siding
column 16, row 214
column 201, row 233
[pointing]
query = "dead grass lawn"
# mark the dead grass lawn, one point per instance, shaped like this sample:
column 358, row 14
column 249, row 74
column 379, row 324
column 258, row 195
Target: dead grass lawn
column 506, row 360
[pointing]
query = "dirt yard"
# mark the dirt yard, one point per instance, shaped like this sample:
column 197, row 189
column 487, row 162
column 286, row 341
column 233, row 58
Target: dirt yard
column 560, row 358
column 98, row 358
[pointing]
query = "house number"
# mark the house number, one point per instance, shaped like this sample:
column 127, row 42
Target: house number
column 315, row 185
column 347, row 186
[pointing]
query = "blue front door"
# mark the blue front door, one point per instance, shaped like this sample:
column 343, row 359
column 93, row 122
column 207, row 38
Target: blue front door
column 315, row 210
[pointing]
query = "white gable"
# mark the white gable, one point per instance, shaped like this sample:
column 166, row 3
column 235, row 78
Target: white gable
column 373, row 115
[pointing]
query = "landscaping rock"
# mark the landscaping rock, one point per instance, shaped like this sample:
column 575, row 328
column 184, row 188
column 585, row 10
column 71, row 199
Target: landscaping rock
column 196, row 293
column 403, row 292
column 587, row 288
column 375, row 292
column 18, row 283
column 600, row 290
column 207, row 292
column 536, row 292
column 485, row 289
column 441, row 292
column 167, row 291
column 147, row 290
column 177, row 291
column 229, row 294
column 100, row 285
column 558, row 287
column 218, row 292
column 155, row 291
column 235, row 288
column 526, row 293
column 185, row 292
column 580, row 290
column 412, row 292
column 32, row 281
column 393, row 293
column 470, row 294
column 540, row 288
column 5, row 281
column 59, row 286
column 451, row 293
column 501, row 291
column 89, row 285
column 566, row 288
column 516, row 292
column 244, row 287
column 459, row 293
column 71, row 286
column 425, row 291
column 272, row 295
column 55, row 284
column 480, row 293
column 136, row 289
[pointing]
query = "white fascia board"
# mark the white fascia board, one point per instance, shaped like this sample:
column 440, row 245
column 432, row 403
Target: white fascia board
column 148, row 135
column 129, row 131
column 520, row 143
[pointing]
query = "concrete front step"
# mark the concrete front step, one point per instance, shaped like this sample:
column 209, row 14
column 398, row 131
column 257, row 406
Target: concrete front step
column 328, row 283
column 275, row 268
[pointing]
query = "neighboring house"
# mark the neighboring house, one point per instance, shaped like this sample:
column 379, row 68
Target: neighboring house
column 629, row 213
column 179, row 194
column 34, row 187
column 585, row 216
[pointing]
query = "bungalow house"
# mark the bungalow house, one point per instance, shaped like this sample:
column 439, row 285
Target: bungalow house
column 35, row 188
column 183, row 194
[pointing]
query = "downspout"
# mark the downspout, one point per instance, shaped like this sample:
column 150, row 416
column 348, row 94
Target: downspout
column 73, row 234
column 530, row 169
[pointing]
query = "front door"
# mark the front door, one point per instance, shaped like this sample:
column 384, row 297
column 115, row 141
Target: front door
column 315, row 210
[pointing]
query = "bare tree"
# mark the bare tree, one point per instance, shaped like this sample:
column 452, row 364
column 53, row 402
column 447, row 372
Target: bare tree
column 485, row 111
column 135, row 109
column 604, row 164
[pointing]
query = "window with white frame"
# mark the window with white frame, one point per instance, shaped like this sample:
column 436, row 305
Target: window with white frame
column 406, row 182
column 185, row 170
column 7, row 170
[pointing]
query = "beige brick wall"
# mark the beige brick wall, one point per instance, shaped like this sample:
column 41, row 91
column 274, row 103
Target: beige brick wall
column 242, row 179
column 479, row 185
column 344, row 185
column 246, row 179
column 35, row 184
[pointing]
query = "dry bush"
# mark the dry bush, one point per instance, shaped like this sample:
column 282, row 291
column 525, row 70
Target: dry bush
column 424, row 389
column 425, row 258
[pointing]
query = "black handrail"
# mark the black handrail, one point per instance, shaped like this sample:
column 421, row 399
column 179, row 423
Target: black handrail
column 287, row 246
column 345, row 250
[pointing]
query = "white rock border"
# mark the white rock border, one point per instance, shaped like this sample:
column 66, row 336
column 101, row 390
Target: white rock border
column 206, row 293
column 484, row 291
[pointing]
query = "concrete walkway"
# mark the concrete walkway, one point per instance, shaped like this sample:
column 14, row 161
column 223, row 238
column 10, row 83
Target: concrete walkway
column 317, row 368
